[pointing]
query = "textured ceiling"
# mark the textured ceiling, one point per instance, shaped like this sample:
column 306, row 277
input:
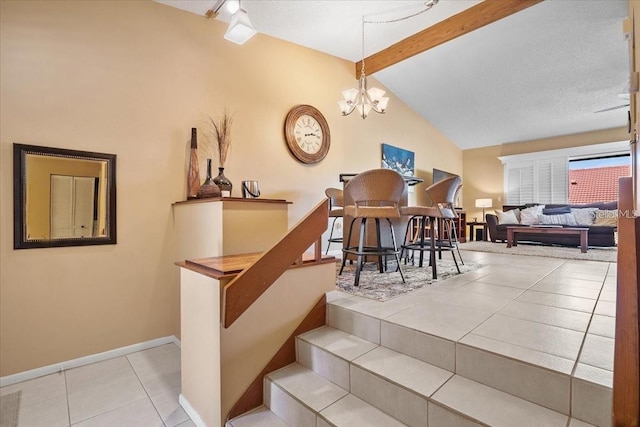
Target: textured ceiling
column 539, row 73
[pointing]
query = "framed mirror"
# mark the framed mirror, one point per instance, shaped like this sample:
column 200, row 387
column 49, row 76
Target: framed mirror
column 63, row 197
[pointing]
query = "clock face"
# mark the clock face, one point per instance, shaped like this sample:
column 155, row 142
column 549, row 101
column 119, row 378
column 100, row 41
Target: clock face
column 307, row 134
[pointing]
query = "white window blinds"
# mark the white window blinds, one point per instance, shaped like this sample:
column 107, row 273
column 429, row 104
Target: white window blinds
column 519, row 183
column 536, row 181
column 552, row 181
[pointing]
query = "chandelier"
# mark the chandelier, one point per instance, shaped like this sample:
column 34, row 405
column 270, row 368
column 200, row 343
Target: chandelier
column 363, row 99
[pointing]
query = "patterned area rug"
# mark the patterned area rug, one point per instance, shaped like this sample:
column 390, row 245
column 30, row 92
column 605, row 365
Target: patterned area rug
column 593, row 253
column 388, row 285
column 10, row 409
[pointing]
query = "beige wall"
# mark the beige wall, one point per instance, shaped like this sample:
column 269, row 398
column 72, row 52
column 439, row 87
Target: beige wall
column 131, row 78
column 484, row 173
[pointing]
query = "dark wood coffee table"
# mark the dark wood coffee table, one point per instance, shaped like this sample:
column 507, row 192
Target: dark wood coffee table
column 512, row 233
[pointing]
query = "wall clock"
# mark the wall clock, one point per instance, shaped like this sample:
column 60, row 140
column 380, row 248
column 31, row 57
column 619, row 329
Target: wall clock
column 307, row 134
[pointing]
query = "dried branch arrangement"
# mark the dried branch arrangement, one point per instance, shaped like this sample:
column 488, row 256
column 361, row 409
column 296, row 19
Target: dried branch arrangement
column 219, row 135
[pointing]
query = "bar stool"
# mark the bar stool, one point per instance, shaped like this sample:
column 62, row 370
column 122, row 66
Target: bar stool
column 376, row 194
column 442, row 195
column 336, row 204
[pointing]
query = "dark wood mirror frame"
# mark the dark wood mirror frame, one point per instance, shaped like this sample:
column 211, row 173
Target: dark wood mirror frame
column 21, row 239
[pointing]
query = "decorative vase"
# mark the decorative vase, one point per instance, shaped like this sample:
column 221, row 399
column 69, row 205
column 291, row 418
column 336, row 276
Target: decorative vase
column 223, row 182
column 208, row 188
column 193, row 176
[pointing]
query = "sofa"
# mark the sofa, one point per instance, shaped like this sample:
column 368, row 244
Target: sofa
column 601, row 232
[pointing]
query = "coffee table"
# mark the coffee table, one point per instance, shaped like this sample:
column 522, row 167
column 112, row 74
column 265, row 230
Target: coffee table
column 512, row 233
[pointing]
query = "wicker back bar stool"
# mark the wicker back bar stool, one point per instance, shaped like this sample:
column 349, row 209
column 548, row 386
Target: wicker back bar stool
column 376, row 195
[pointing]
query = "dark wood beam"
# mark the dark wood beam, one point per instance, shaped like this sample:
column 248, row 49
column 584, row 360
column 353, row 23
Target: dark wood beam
column 475, row 17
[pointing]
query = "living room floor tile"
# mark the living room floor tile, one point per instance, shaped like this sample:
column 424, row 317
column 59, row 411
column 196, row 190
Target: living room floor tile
column 597, row 351
column 554, row 316
column 514, row 279
column 492, row 290
column 606, row 308
column 571, row 281
column 562, row 289
column 538, row 358
column 535, row 336
column 555, row 300
column 472, row 300
column 440, row 319
column 604, row 326
column 575, row 273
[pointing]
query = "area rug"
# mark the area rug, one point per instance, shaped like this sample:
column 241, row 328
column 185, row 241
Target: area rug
column 10, row 409
column 593, row 254
column 388, row 285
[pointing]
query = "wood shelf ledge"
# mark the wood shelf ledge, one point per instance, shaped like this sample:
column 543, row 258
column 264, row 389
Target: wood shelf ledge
column 229, row 266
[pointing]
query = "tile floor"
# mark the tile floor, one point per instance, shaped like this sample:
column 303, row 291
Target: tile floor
column 557, row 314
column 137, row 390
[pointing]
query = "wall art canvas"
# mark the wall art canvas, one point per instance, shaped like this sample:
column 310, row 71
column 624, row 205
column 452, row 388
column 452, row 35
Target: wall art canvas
column 398, row 159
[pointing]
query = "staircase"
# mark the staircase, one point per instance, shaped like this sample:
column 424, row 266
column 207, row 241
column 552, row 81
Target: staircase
column 379, row 369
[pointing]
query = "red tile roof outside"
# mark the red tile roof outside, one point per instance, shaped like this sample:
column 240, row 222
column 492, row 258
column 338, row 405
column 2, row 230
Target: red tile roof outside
column 595, row 184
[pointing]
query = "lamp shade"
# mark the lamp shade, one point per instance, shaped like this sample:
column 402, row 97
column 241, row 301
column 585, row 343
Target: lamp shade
column 484, row 203
column 240, row 29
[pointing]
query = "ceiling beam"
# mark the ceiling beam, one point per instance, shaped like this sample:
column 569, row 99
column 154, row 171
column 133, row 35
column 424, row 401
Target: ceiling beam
column 475, row 17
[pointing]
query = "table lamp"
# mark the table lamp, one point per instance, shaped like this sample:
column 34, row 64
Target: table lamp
column 484, row 203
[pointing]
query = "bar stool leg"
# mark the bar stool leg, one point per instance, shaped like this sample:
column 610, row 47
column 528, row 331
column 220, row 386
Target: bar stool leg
column 395, row 248
column 361, row 255
column 344, row 254
column 333, row 226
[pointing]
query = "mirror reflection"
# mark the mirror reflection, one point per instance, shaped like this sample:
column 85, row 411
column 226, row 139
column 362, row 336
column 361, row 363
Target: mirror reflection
column 63, row 197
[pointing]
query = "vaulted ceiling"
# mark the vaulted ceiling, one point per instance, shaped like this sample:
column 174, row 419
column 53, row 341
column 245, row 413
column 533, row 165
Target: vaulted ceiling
column 542, row 72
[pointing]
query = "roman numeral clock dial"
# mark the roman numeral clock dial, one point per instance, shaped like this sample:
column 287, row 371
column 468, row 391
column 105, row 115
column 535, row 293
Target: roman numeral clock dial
column 306, row 133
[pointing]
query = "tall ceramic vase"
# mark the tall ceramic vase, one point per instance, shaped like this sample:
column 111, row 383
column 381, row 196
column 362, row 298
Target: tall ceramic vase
column 208, row 188
column 193, row 176
column 223, row 182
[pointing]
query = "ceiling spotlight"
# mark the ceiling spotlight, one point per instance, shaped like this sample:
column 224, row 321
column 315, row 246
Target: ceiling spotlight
column 240, row 29
column 233, row 6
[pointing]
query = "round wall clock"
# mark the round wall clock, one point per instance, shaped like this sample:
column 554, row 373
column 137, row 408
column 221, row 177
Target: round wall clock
column 307, row 134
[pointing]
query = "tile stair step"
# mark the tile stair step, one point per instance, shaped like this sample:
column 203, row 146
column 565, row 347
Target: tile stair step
column 302, row 398
column 477, row 404
column 531, row 375
column 386, row 388
column 328, row 352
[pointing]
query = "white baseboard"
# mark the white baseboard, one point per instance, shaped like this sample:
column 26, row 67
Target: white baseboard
column 193, row 414
column 86, row 360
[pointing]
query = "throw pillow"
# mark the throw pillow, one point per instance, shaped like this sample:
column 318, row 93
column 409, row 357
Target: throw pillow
column 556, row 211
column 608, row 218
column 508, row 217
column 562, row 219
column 584, row 216
column 529, row 216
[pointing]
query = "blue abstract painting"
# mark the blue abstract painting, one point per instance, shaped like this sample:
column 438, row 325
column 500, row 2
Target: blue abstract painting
column 398, row 159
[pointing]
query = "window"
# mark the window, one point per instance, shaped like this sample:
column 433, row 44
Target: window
column 543, row 177
column 594, row 179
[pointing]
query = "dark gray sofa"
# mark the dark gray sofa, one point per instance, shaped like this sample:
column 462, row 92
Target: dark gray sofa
column 602, row 236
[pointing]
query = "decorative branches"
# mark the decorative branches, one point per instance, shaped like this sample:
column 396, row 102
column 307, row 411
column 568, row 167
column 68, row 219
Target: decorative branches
column 219, row 135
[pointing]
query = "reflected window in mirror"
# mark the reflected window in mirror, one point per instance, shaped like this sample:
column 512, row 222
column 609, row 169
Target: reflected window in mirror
column 63, row 197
